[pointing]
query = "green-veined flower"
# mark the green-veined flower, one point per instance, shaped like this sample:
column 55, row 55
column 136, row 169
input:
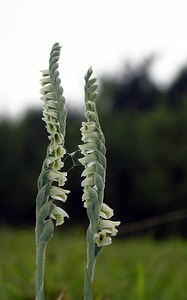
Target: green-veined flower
column 109, row 225
column 58, row 214
column 102, row 239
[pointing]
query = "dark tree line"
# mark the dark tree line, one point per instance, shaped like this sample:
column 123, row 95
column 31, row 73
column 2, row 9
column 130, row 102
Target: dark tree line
column 146, row 137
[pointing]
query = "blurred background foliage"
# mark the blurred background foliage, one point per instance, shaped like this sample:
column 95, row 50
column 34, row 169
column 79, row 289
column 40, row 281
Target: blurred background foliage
column 146, row 137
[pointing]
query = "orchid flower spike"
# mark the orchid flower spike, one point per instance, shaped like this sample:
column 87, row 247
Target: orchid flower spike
column 52, row 179
column 94, row 162
column 54, row 116
column 100, row 229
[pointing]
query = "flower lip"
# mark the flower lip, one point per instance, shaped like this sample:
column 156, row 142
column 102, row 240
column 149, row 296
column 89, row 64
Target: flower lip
column 110, row 226
column 55, row 175
column 101, row 238
column 57, row 193
column 54, row 116
column 106, row 212
column 58, row 214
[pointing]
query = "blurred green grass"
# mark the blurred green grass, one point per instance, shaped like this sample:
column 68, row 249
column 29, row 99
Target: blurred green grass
column 133, row 268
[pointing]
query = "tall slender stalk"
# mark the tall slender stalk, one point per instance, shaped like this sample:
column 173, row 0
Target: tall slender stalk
column 40, row 263
column 100, row 228
column 99, row 231
column 54, row 115
column 90, row 265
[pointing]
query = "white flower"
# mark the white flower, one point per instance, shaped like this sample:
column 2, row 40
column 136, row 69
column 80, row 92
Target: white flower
column 45, row 72
column 90, row 164
column 85, row 196
column 101, row 238
column 88, row 127
column 89, row 180
column 60, row 151
column 106, row 229
column 57, row 164
column 58, row 214
column 88, row 148
column 57, row 193
column 49, row 115
column 86, row 203
column 51, row 128
column 106, row 212
column 47, row 97
column 61, row 177
column 110, row 226
column 88, row 161
column 88, row 171
column 50, row 103
column 57, row 140
column 54, row 116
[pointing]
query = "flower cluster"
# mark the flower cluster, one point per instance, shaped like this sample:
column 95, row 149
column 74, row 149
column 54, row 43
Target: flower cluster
column 94, row 171
column 93, row 184
column 107, row 228
column 54, row 119
column 94, row 162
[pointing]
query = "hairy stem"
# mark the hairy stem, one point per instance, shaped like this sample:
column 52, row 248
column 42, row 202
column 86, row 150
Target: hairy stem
column 51, row 179
column 90, row 265
column 40, row 268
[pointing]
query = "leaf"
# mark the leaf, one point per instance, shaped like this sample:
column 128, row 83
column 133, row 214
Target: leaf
column 47, row 232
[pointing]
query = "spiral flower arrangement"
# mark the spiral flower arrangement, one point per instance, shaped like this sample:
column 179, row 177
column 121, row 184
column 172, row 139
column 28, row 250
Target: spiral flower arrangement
column 52, row 179
column 100, row 229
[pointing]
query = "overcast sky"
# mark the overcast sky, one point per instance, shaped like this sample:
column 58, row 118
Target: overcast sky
column 100, row 33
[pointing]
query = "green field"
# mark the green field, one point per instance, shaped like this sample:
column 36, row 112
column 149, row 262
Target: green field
column 132, row 269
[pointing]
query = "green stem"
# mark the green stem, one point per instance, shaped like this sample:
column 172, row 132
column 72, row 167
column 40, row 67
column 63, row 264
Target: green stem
column 40, row 267
column 90, row 265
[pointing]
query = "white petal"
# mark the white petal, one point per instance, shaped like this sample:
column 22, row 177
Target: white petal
column 88, row 126
column 88, row 171
column 45, row 80
column 106, row 212
column 60, row 151
column 87, row 148
column 88, row 181
column 58, row 214
column 109, row 225
column 46, row 89
column 50, row 103
column 58, row 193
column 61, row 177
column 51, row 128
column 57, row 164
column 101, row 239
column 45, row 72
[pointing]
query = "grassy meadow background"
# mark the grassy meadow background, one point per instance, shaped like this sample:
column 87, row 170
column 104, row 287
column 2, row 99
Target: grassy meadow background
column 131, row 268
column 146, row 137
